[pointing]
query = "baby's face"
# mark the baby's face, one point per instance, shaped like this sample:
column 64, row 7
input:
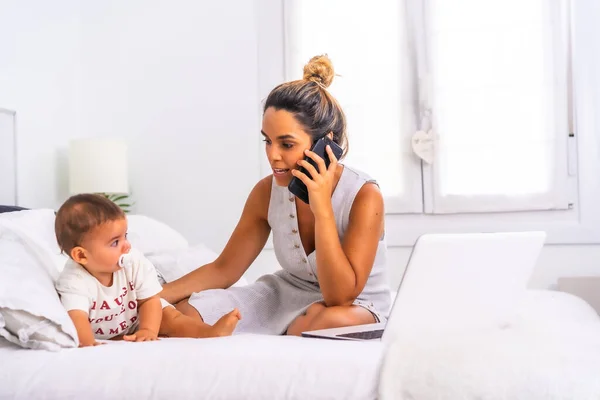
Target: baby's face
column 104, row 245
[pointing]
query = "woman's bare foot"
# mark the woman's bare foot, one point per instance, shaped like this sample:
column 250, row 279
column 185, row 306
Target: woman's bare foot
column 227, row 323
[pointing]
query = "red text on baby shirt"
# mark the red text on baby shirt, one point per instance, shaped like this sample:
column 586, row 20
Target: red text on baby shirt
column 110, row 319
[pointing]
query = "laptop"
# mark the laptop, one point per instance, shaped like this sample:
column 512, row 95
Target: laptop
column 455, row 282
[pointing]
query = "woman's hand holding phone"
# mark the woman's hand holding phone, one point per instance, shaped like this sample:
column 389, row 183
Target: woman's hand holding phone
column 320, row 187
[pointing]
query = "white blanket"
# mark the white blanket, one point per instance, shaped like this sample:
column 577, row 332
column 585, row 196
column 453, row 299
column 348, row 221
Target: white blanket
column 237, row 367
column 551, row 354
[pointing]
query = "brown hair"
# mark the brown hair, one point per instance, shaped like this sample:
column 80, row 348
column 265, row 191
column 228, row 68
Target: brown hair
column 311, row 103
column 79, row 215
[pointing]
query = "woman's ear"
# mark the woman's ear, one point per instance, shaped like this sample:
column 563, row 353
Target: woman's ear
column 79, row 255
column 330, row 135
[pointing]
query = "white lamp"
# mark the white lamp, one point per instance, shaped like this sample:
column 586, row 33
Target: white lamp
column 98, row 166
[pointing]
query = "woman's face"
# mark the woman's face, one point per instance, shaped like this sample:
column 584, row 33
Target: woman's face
column 285, row 142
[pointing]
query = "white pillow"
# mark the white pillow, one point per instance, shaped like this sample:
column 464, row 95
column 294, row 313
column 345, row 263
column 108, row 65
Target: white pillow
column 173, row 264
column 149, row 235
column 31, row 309
column 39, row 227
column 145, row 234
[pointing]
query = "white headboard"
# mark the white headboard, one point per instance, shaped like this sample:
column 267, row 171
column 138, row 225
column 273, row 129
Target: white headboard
column 8, row 157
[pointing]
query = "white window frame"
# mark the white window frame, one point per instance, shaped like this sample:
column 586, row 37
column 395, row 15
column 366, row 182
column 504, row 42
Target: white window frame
column 578, row 225
column 8, row 157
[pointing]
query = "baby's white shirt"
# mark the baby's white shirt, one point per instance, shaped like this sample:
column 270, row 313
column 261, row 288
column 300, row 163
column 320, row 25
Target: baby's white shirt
column 112, row 311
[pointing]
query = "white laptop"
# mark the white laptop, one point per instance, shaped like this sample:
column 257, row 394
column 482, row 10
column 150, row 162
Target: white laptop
column 456, row 281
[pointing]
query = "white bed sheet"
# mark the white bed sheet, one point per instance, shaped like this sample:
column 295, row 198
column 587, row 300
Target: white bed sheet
column 551, row 351
column 237, row 367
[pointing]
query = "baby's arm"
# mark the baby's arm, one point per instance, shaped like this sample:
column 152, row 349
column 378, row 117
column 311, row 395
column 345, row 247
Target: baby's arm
column 84, row 328
column 150, row 315
column 74, row 291
column 147, row 290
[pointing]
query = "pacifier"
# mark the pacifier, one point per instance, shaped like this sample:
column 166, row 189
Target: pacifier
column 125, row 260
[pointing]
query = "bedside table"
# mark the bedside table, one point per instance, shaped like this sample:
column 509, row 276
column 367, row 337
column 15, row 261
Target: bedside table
column 586, row 287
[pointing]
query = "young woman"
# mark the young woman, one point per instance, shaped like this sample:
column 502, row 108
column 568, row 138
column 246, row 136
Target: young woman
column 332, row 250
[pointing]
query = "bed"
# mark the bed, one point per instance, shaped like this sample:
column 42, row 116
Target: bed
column 550, row 351
column 238, row 367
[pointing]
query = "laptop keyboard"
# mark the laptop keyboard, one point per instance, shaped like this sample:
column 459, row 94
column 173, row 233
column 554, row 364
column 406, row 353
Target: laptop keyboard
column 366, row 335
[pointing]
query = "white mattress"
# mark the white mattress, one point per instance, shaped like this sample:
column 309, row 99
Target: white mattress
column 554, row 342
column 237, row 367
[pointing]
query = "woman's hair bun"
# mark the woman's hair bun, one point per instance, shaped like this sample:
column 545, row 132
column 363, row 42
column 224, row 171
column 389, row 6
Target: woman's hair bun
column 319, row 69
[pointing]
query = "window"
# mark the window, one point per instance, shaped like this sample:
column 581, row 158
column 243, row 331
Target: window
column 488, row 78
column 373, row 86
column 487, row 84
column 498, row 100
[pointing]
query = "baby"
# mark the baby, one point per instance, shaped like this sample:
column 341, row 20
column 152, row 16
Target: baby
column 110, row 299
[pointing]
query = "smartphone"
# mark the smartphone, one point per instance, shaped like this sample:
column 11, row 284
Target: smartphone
column 296, row 186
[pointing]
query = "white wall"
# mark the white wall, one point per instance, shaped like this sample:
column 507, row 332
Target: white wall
column 554, row 262
column 40, row 78
column 176, row 79
column 179, row 81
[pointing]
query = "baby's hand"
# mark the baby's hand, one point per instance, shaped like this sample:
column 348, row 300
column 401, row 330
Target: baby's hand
column 94, row 343
column 141, row 335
